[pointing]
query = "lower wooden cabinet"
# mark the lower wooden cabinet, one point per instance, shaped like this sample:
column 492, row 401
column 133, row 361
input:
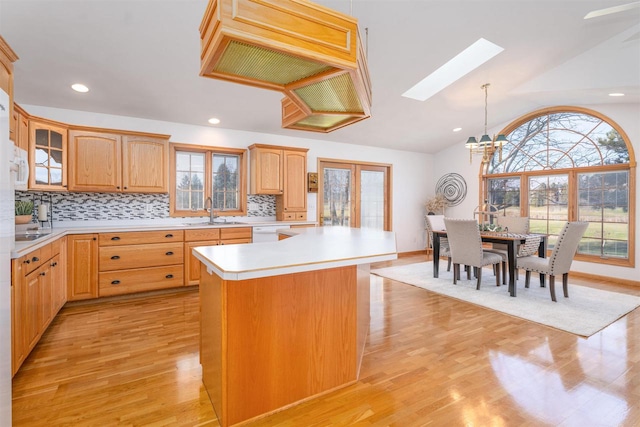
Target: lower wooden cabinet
column 209, row 237
column 139, row 280
column 82, row 271
column 38, row 291
column 140, row 261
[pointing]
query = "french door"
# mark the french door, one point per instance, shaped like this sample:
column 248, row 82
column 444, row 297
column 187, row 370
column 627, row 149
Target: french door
column 354, row 194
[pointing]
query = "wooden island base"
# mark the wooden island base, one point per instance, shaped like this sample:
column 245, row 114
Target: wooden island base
column 272, row 342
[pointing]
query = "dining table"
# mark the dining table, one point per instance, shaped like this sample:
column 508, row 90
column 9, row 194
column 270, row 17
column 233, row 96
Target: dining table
column 511, row 240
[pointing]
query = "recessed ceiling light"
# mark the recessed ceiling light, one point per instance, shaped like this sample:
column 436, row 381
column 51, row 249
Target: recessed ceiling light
column 457, row 129
column 79, row 87
column 463, row 63
column 616, row 94
column 214, row 121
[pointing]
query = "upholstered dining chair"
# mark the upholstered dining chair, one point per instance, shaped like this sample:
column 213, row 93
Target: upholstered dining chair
column 560, row 260
column 436, row 222
column 465, row 245
column 511, row 224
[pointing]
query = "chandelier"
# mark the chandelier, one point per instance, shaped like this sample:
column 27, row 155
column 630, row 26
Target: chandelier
column 487, row 145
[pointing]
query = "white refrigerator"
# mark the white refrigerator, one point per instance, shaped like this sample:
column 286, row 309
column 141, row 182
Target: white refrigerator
column 7, row 231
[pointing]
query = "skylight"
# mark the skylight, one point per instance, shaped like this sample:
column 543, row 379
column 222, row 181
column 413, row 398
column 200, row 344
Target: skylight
column 463, row 63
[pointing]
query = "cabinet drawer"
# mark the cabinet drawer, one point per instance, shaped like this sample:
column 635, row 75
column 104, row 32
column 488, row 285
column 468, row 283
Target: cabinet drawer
column 301, row 216
column 201, row 234
column 140, row 280
column 140, row 237
column 235, row 241
column 235, row 233
column 140, row 256
column 55, row 246
column 288, row 216
column 34, row 259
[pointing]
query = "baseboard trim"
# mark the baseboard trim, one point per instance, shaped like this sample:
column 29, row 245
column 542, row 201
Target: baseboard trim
column 597, row 277
column 145, row 294
column 412, row 253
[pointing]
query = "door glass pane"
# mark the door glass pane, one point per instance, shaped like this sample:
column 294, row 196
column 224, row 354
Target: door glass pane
column 336, row 209
column 56, row 176
column 372, row 199
column 56, row 159
column 548, row 205
column 42, row 175
column 42, row 137
column 56, row 140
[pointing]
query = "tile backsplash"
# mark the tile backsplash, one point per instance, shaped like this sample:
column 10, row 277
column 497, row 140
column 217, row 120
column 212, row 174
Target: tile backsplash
column 123, row 206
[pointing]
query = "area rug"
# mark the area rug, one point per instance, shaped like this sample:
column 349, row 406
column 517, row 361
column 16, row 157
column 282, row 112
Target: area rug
column 584, row 313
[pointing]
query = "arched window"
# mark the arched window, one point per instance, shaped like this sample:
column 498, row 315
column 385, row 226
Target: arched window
column 568, row 164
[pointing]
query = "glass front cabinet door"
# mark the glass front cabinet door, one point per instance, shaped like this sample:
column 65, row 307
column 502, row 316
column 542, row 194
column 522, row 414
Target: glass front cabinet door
column 47, row 156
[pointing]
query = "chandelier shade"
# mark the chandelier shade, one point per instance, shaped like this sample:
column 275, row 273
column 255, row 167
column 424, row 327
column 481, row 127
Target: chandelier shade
column 487, row 145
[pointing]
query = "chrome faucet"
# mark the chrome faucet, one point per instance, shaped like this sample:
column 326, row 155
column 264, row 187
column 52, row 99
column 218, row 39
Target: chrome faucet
column 212, row 215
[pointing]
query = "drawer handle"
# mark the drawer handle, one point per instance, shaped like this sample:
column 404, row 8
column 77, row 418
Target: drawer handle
column 168, row 236
column 169, row 253
column 27, row 261
column 35, row 259
column 43, row 274
column 115, row 238
column 169, row 276
column 53, row 264
column 115, row 257
column 115, row 282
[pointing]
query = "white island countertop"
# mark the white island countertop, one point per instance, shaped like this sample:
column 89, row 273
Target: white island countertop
column 308, row 249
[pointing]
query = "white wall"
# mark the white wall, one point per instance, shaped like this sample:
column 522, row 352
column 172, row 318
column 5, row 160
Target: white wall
column 412, row 172
column 627, row 116
column 7, row 226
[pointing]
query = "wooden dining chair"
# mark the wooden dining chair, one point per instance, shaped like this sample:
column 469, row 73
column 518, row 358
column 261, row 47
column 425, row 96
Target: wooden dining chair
column 465, row 245
column 436, row 222
column 560, row 260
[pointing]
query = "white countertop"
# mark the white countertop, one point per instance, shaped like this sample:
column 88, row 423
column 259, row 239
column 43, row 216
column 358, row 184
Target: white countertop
column 50, row 234
column 309, row 249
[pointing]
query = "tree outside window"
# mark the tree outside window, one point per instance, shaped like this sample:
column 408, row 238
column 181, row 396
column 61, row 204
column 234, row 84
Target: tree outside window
column 575, row 165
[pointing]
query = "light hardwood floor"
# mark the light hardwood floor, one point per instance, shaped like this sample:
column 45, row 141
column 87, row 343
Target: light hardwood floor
column 429, row 361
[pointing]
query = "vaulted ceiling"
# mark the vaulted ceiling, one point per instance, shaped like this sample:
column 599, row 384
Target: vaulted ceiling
column 140, row 58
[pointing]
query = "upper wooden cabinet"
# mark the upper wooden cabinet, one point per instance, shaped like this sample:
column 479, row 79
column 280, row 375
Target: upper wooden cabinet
column 281, row 171
column 21, row 127
column 145, row 164
column 7, row 58
column 116, row 162
column 294, row 198
column 266, row 169
column 47, row 155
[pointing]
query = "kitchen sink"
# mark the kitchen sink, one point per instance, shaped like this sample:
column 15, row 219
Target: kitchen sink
column 28, row 237
column 205, row 224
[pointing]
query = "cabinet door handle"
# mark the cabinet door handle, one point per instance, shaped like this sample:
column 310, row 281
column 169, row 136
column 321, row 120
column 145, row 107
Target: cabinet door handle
column 43, row 274
column 115, row 282
column 27, row 261
column 168, row 236
column 53, row 264
column 95, row 238
column 169, row 276
column 118, row 187
column 115, row 238
column 115, row 257
column 35, row 259
column 125, row 188
column 169, row 253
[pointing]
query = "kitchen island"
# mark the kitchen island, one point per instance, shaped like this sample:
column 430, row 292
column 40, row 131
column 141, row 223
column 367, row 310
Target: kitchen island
column 285, row 321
